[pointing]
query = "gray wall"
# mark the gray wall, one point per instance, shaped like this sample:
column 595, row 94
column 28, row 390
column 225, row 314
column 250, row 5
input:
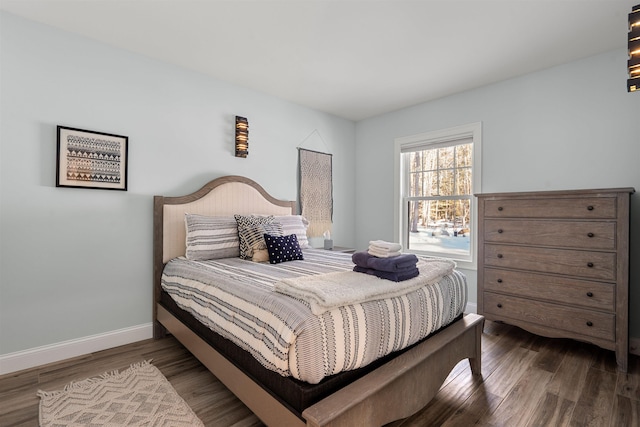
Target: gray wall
column 77, row 262
column 568, row 127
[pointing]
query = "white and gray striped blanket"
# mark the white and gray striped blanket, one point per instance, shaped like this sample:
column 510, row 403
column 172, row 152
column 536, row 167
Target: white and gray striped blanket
column 236, row 298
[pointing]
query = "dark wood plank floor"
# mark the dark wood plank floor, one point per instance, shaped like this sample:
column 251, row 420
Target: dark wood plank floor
column 528, row 381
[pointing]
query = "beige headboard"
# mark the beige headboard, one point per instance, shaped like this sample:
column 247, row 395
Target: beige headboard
column 221, row 197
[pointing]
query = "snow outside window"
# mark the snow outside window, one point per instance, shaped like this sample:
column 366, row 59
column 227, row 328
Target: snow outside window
column 437, row 176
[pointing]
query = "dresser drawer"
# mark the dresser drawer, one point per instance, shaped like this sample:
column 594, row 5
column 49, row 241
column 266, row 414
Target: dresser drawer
column 597, row 295
column 568, row 234
column 585, row 322
column 584, row 264
column 573, row 208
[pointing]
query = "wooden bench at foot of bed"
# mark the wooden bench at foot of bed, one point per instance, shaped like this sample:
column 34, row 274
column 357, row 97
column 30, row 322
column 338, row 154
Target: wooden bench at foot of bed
column 396, row 390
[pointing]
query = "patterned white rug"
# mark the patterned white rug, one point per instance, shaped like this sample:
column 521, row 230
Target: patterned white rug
column 138, row 396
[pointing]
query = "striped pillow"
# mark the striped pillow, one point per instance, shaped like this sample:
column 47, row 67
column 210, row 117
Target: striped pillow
column 251, row 230
column 210, row 237
column 295, row 224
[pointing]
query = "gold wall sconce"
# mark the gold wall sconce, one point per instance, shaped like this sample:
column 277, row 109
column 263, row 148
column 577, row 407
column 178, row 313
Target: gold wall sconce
column 633, row 64
column 242, row 137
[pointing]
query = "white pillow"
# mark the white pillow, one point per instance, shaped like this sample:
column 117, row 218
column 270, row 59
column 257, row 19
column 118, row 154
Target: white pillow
column 295, row 224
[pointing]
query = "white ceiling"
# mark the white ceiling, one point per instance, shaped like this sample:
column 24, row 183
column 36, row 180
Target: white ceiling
column 351, row 58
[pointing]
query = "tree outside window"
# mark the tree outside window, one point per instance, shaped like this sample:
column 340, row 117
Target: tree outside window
column 439, row 206
column 436, row 202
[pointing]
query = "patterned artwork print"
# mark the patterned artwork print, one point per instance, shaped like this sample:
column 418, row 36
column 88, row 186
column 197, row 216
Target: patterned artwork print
column 93, row 159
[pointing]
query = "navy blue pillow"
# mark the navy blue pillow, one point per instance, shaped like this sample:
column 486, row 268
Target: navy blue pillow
column 282, row 248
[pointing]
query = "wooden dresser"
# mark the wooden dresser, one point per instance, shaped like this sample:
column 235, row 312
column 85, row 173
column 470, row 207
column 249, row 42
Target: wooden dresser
column 556, row 263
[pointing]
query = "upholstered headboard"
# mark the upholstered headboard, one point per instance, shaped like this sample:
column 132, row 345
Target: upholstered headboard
column 224, row 196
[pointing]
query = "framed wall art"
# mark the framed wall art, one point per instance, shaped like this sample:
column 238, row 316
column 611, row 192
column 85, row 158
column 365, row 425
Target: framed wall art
column 89, row 159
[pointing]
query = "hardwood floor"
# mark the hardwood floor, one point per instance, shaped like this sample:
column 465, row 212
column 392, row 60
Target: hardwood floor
column 528, row 381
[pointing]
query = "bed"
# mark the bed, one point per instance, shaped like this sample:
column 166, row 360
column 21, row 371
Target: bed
column 390, row 388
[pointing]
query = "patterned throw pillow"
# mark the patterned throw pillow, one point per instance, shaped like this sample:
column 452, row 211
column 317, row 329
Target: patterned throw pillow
column 251, row 229
column 211, row 237
column 295, row 224
column 283, row 248
column 255, row 238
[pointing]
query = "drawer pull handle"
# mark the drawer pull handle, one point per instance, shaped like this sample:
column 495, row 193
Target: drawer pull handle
column 499, row 255
column 500, row 208
column 590, row 208
column 589, row 323
column 590, row 294
column 589, row 264
column 500, row 230
column 590, row 234
column 499, row 280
column 499, row 305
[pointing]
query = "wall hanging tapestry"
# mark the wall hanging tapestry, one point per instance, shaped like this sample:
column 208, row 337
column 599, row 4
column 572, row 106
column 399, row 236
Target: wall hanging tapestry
column 138, row 396
column 316, row 190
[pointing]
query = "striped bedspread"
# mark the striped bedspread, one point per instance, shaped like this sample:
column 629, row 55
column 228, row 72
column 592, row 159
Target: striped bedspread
column 236, row 299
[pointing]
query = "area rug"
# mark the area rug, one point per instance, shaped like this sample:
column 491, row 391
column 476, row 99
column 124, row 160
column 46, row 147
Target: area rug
column 137, row 396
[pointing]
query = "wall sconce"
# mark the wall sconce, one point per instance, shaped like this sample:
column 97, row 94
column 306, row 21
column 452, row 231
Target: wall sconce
column 633, row 64
column 242, row 137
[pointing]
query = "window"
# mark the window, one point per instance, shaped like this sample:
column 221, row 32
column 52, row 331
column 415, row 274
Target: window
column 437, row 175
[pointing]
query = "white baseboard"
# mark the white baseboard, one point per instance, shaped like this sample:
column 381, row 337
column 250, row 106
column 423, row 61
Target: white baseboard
column 26, row 359
column 471, row 307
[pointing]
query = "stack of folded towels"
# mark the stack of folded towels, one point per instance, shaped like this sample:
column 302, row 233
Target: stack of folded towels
column 384, row 260
column 382, row 249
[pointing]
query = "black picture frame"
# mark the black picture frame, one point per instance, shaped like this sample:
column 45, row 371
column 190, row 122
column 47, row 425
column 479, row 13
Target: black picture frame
column 90, row 159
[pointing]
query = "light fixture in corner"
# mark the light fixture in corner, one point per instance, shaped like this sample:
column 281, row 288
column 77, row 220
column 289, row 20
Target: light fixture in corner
column 633, row 64
column 242, row 137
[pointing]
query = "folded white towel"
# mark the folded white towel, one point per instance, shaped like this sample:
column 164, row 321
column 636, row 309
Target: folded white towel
column 385, row 246
column 381, row 254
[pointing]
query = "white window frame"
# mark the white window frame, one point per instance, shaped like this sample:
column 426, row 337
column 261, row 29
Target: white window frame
column 440, row 138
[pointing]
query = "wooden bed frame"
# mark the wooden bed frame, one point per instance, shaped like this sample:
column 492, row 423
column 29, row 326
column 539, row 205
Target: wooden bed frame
column 395, row 390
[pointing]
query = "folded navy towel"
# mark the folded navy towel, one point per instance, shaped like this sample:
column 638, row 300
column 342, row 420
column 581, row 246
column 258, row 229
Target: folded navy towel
column 361, row 258
column 400, row 263
column 396, row 277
